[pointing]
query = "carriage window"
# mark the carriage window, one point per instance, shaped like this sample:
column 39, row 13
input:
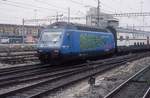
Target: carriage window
column 143, row 43
column 134, row 43
column 127, row 37
column 121, row 38
column 140, row 43
column 133, row 36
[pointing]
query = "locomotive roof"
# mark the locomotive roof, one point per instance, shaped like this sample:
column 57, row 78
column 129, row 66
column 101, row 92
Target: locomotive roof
column 76, row 26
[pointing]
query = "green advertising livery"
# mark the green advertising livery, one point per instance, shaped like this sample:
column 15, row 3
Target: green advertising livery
column 90, row 41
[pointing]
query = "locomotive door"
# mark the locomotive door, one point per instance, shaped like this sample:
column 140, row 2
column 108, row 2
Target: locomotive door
column 73, row 42
column 67, row 43
column 70, row 41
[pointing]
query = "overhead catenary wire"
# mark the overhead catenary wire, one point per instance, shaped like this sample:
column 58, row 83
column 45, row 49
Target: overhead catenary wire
column 114, row 10
column 46, row 9
column 26, row 6
column 90, row 6
column 86, row 5
column 77, row 2
column 81, row 4
column 65, row 10
column 51, row 5
column 15, row 5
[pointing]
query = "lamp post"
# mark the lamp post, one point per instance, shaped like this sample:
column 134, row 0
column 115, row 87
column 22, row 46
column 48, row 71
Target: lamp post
column 98, row 13
column 23, row 31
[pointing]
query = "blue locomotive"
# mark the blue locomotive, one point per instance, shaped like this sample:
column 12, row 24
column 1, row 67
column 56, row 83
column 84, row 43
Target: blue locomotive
column 63, row 41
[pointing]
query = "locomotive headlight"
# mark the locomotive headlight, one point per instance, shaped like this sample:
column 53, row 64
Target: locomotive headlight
column 65, row 46
column 56, row 51
column 39, row 50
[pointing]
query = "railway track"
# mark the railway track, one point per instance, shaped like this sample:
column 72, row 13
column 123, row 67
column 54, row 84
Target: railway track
column 17, row 47
column 37, row 81
column 17, row 53
column 18, row 57
column 137, row 86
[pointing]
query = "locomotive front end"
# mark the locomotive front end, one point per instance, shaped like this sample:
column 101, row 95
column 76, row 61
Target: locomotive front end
column 49, row 44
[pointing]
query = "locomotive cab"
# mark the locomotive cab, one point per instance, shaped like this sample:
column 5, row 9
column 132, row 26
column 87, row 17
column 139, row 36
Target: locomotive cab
column 49, row 45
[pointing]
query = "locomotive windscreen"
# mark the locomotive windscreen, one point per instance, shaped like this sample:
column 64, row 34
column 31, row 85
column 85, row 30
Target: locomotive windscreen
column 51, row 38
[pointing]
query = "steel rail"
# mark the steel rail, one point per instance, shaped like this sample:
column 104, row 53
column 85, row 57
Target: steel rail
column 116, row 90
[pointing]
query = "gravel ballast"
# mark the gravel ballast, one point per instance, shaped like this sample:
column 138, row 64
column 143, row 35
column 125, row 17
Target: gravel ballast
column 105, row 82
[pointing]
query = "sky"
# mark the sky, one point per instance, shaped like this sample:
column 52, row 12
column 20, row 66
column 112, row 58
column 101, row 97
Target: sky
column 13, row 11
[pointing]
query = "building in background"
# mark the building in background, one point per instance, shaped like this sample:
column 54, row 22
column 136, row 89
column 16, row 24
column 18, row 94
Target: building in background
column 104, row 18
column 9, row 29
column 14, row 33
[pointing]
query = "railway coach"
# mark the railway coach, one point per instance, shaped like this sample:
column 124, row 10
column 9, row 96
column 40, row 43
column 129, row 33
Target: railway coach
column 129, row 40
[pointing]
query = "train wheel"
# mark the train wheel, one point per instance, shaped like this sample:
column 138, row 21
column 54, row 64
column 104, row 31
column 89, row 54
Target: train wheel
column 42, row 60
column 53, row 62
